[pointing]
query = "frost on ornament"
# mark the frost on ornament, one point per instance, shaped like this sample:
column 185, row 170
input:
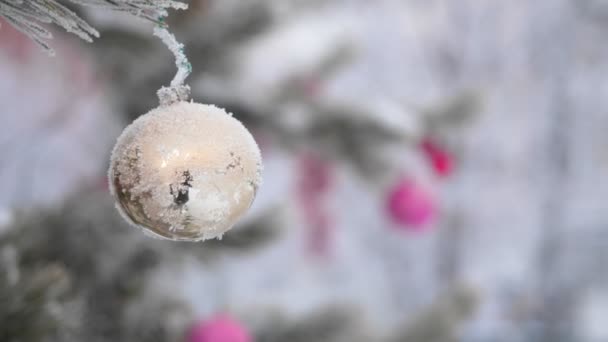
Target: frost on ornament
column 185, row 171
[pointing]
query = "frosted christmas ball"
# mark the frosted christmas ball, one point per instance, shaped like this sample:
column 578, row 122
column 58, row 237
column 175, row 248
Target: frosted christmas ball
column 185, row 171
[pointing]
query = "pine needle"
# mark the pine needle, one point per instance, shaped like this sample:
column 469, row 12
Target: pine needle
column 28, row 16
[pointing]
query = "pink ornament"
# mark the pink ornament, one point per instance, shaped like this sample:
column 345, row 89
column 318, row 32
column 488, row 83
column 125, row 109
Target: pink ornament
column 314, row 183
column 310, row 85
column 411, row 205
column 102, row 184
column 440, row 159
column 17, row 44
column 221, row 328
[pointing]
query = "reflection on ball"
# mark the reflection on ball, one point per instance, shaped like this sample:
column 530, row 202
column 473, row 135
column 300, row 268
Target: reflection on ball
column 186, row 171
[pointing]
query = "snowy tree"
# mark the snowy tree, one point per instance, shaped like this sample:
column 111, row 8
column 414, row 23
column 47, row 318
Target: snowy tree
column 433, row 170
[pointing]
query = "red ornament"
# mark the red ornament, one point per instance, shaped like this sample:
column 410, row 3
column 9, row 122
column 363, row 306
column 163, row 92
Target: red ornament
column 221, row 328
column 411, row 205
column 440, row 159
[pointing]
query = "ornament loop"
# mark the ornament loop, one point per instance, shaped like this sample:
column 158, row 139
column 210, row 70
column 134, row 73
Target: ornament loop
column 177, row 91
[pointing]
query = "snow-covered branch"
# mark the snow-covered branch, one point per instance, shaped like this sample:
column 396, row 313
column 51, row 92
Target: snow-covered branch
column 28, row 16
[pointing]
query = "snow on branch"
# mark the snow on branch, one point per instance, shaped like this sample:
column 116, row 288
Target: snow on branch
column 28, row 16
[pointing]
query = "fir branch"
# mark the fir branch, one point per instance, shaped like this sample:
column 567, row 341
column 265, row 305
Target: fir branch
column 27, row 15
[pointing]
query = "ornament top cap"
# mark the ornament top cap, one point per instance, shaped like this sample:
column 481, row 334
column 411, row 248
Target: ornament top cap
column 170, row 95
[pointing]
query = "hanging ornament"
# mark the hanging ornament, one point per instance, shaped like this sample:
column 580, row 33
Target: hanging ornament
column 221, row 328
column 184, row 171
column 439, row 158
column 410, row 205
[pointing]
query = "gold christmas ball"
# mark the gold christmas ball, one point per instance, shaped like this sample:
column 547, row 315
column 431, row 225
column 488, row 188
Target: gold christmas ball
column 185, row 171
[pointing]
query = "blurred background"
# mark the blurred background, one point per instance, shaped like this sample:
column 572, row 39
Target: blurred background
column 434, row 171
